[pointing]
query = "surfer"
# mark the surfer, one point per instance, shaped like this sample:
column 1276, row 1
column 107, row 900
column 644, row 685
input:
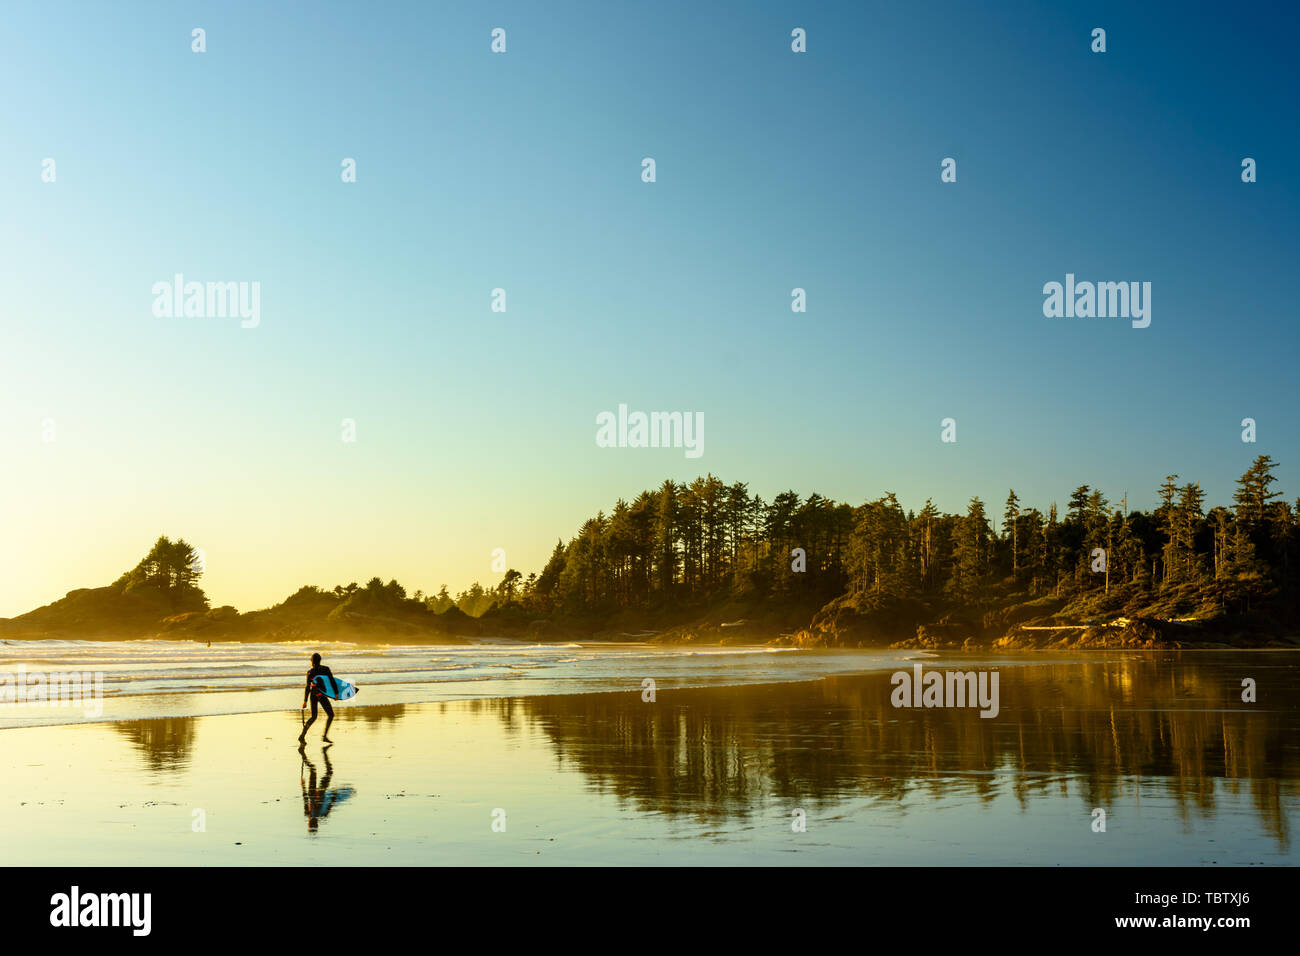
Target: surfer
column 317, row 698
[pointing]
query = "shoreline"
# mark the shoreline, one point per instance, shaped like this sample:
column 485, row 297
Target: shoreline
column 840, row 623
column 707, row 775
column 937, row 658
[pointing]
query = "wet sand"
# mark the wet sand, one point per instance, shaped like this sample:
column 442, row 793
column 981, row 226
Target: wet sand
column 1185, row 774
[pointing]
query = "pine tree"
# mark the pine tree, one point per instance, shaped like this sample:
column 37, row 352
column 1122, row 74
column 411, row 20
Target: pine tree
column 1253, row 495
column 1011, row 521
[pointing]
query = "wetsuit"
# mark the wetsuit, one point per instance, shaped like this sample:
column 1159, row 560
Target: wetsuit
column 315, row 694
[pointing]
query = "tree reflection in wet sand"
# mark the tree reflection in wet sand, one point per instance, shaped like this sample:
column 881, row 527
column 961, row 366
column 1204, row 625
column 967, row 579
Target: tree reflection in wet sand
column 1088, row 729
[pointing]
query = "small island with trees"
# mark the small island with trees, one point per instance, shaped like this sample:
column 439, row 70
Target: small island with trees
column 707, row 561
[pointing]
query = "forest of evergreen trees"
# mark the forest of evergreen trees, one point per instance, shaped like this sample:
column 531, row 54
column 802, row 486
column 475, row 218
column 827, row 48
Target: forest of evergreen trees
column 692, row 545
column 686, row 560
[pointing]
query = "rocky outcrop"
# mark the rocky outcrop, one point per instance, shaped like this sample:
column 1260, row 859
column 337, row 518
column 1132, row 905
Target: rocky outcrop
column 939, row 637
column 1137, row 633
column 846, row 623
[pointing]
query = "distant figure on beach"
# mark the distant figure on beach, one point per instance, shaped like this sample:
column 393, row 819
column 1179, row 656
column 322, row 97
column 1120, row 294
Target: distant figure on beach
column 317, row 698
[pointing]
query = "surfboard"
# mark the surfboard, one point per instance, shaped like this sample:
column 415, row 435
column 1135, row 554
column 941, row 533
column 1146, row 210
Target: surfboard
column 335, row 688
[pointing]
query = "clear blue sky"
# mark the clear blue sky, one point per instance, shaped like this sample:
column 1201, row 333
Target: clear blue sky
column 475, row 171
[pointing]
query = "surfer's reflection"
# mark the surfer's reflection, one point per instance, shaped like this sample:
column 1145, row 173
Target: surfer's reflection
column 317, row 797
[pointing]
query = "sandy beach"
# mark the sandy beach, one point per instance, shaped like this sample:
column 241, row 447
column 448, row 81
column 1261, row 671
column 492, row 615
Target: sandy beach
column 710, row 775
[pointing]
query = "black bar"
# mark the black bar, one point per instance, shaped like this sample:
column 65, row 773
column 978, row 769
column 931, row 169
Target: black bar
column 924, row 903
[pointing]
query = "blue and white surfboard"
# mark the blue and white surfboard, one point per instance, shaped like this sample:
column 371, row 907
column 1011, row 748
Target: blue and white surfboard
column 335, row 688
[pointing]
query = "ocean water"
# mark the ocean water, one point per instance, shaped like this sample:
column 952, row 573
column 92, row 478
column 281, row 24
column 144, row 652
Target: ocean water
column 131, row 680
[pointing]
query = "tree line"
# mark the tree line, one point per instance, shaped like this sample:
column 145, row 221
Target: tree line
column 696, row 544
column 685, row 544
